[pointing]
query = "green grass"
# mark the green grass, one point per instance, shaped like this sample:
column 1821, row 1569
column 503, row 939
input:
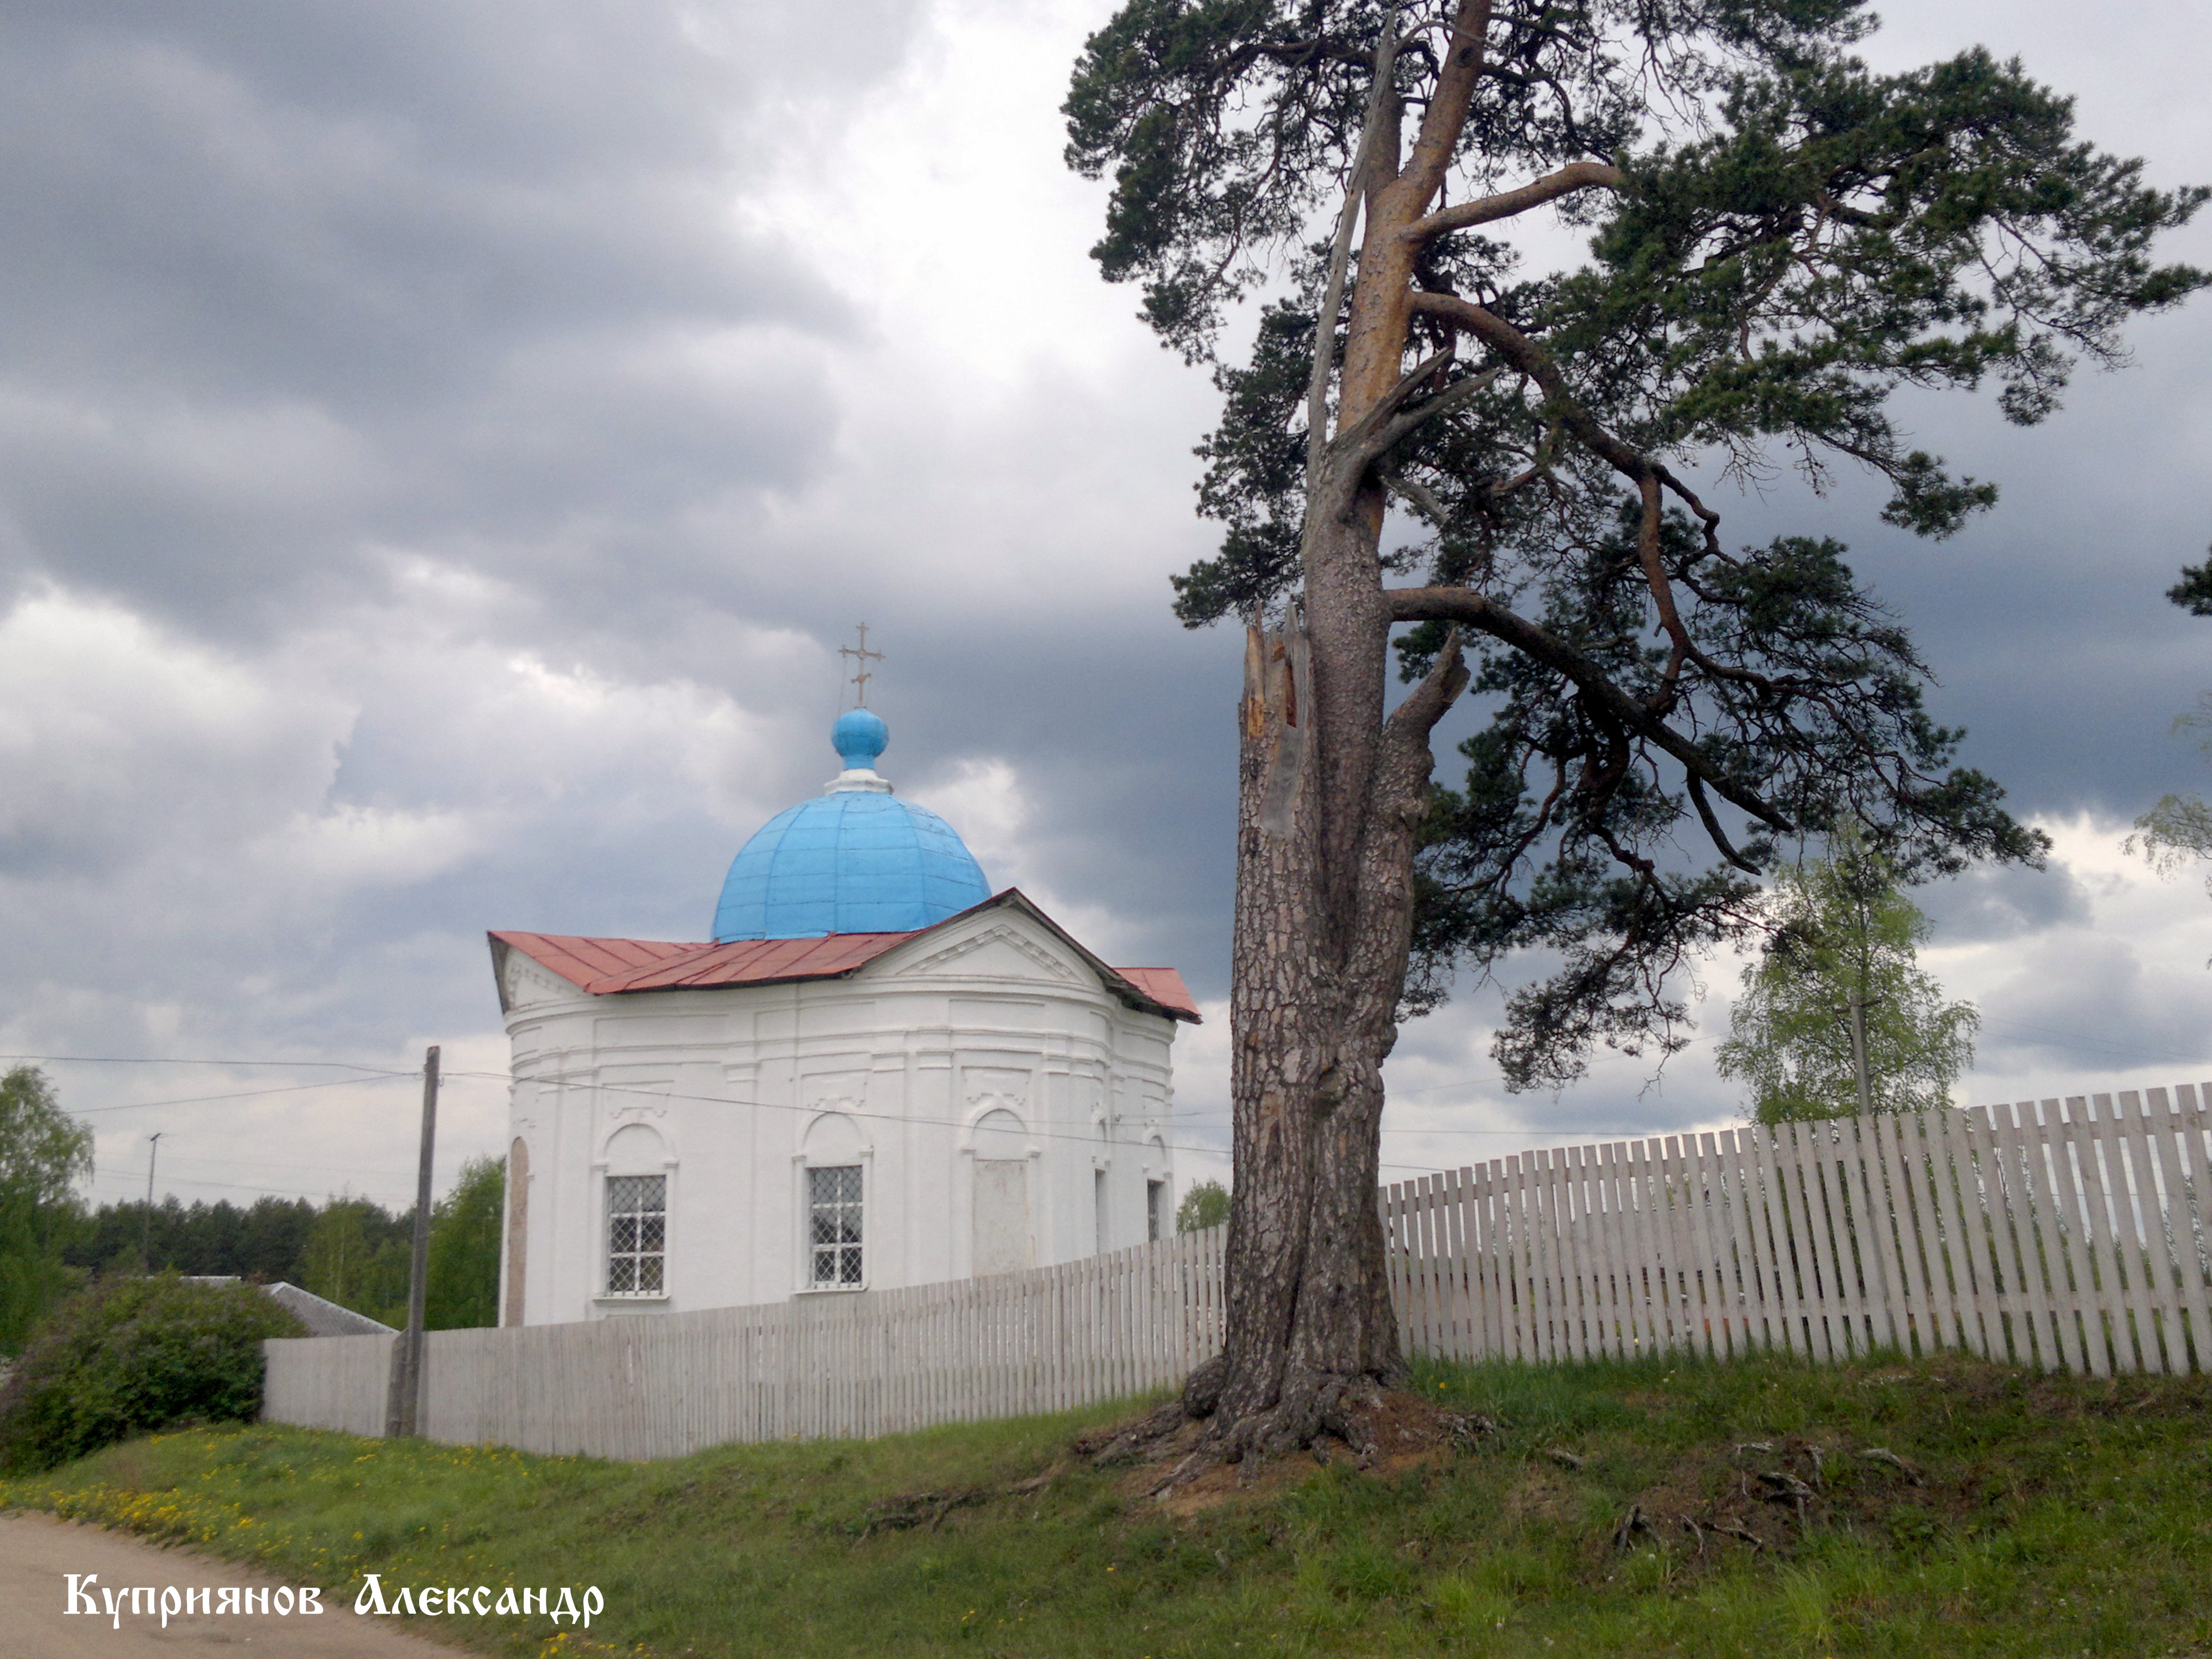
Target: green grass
column 2053, row 1516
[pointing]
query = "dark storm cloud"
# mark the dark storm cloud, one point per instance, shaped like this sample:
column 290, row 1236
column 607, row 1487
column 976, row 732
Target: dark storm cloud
column 1126, row 740
column 2046, row 622
column 436, row 467
column 356, row 364
column 2085, row 1004
column 2007, row 902
column 297, row 278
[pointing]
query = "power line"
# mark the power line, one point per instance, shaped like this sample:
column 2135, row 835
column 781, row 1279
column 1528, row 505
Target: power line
column 226, row 1186
column 386, row 1075
column 2075, row 1037
column 263, row 1163
column 1522, row 1129
column 172, row 1060
column 244, row 1094
column 377, row 1074
column 1037, row 1133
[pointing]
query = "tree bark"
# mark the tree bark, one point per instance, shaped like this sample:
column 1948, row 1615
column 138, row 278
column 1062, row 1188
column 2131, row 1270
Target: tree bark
column 1322, row 928
column 1330, row 793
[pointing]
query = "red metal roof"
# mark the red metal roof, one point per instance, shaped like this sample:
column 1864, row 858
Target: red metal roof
column 1164, row 985
column 607, row 967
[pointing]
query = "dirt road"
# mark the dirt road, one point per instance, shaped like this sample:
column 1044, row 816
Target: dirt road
column 38, row 1554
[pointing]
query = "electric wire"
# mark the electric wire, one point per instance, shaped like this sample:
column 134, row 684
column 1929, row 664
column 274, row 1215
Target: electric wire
column 172, row 1060
column 267, row 1164
column 243, row 1094
column 366, row 1074
column 957, row 1123
column 128, row 1197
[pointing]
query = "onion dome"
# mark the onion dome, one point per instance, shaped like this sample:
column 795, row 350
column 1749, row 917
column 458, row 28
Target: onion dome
column 854, row 860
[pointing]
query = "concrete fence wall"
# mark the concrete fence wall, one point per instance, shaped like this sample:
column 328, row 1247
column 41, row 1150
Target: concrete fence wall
column 2064, row 1234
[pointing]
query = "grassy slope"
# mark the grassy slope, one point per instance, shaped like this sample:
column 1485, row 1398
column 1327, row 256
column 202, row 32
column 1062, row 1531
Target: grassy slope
column 2055, row 1517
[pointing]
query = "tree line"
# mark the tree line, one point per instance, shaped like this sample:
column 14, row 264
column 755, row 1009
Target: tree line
column 351, row 1250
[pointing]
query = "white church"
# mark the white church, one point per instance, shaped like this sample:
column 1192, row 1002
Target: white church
column 876, row 1074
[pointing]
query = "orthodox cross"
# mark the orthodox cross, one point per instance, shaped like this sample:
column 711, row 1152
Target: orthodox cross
column 861, row 657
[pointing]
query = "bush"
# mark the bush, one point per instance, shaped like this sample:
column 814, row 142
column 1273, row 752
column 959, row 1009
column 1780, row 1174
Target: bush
column 43, row 1155
column 132, row 1355
column 1205, row 1205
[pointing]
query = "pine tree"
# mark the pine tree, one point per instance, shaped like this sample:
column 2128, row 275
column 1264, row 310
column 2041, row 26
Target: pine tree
column 1781, row 239
column 1841, row 969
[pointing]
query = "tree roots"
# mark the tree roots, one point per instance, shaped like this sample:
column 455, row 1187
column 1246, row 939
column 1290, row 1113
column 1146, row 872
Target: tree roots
column 927, row 1510
column 1321, row 1415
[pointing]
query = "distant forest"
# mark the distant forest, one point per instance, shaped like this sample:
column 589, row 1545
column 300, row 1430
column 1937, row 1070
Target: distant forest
column 351, row 1250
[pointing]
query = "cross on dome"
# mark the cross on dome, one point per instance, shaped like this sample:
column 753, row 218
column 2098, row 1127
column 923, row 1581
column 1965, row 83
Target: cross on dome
column 861, row 657
column 859, row 734
column 852, row 859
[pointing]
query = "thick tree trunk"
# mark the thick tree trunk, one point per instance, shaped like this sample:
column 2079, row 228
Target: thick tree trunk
column 1331, row 794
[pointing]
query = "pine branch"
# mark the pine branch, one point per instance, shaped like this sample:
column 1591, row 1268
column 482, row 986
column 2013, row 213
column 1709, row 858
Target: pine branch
column 1574, row 177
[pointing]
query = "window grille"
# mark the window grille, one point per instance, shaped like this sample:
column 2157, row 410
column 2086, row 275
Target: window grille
column 637, row 1234
column 1156, row 1206
column 833, row 1211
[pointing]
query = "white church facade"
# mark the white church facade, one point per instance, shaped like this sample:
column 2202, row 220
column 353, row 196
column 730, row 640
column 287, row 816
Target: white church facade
column 876, row 1073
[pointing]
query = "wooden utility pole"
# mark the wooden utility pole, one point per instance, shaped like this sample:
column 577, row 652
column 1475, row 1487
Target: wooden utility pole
column 146, row 1235
column 403, row 1408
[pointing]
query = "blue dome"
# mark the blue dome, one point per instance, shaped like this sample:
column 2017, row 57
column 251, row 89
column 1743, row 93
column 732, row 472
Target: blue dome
column 855, row 860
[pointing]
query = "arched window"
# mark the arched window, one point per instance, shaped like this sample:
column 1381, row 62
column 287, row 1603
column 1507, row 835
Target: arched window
column 835, row 1205
column 636, row 1261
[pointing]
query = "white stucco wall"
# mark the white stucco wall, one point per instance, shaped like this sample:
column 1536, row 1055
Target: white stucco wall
column 985, row 1038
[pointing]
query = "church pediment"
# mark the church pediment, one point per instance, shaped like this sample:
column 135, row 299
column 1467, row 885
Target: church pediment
column 523, row 982
column 1003, row 951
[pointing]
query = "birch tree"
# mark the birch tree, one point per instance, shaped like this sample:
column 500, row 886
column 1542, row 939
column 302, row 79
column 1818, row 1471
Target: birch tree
column 1839, row 993
column 1511, row 477
column 2178, row 831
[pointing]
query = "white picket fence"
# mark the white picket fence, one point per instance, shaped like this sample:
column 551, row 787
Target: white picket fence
column 659, row 1385
column 2067, row 1234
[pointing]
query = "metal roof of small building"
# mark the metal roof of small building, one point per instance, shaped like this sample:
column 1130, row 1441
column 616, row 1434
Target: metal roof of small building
column 613, row 967
column 321, row 1315
column 605, row 967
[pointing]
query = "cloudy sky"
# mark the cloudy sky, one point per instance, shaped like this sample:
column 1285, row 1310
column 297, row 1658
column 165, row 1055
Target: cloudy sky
column 443, row 444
